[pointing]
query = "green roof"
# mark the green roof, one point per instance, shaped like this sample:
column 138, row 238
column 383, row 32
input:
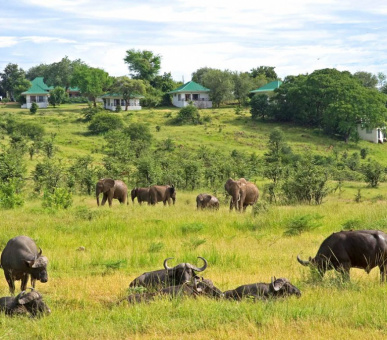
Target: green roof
column 191, row 86
column 38, row 87
column 118, row 95
column 268, row 87
column 74, row 89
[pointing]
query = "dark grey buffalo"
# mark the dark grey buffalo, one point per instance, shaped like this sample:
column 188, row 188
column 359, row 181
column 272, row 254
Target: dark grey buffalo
column 177, row 275
column 277, row 288
column 364, row 249
column 196, row 287
column 25, row 303
column 21, row 259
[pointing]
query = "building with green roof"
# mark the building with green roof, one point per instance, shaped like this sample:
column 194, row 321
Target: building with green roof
column 112, row 100
column 38, row 93
column 269, row 87
column 191, row 92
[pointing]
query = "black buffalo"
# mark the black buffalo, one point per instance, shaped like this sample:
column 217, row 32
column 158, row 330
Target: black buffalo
column 364, row 249
column 21, row 259
column 277, row 288
column 174, row 276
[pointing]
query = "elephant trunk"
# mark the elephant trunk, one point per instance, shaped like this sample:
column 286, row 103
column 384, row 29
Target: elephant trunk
column 97, row 192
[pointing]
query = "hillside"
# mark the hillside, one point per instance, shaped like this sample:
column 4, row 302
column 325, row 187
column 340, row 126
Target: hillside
column 123, row 242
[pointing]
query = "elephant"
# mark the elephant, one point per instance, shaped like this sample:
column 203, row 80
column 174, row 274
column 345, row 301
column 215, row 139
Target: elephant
column 162, row 193
column 142, row 195
column 111, row 189
column 207, row 201
column 243, row 193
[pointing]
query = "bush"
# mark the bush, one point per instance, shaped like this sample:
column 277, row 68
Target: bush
column 28, row 129
column 10, row 198
column 188, row 115
column 259, row 106
column 103, row 122
column 34, row 108
column 374, row 173
column 61, row 198
column 90, row 111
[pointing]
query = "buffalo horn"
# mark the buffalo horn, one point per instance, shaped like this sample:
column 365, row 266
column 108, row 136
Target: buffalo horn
column 304, row 263
column 40, row 252
column 202, row 268
column 165, row 263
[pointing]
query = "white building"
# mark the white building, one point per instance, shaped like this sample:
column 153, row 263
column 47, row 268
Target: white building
column 375, row 135
column 38, row 93
column 112, row 100
column 191, row 92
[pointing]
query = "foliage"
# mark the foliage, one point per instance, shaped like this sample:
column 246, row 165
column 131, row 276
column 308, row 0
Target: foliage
column 266, row 72
column 48, row 175
column 103, row 122
column 128, row 88
column 165, row 83
column 57, row 96
column 367, row 79
column 10, row 195
column 220, row 84
column 12, row 166
column 242, row 87
column 300, row 224
column 259, row 106
column 29, row 129
column 188, row 115
column 373, row 173
column 13, row 80
column 60, row 198
column 92, row 82
column 84, row 174
column 34, row 108
column 90, row 111
column 143, row 64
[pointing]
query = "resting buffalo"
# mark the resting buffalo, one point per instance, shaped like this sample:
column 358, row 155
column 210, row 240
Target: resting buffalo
column 364, row 249
column 277, row 288
column 20, row 259
column 25, row 303
column 195, row 287
column 177, row 275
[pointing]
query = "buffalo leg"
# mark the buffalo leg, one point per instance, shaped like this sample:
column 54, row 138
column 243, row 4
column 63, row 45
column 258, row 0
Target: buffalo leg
column 382, row 273
column 11, row 282
column 344, row 271
column 24, row 281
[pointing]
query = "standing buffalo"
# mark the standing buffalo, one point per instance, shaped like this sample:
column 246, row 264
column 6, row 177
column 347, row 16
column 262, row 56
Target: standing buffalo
column 142, row 195
column 277, row 288
column 111, row 189
column 207, row 201
column 20, row 259
column 341, row 251
column 162, row 193
column 177, row 275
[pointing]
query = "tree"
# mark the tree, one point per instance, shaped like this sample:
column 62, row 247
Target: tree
column 259, row 106
column 11, row 78
column 92, row 82
column 367, row 79
column 266, row 72
column 143, row 64
column 242, row 87
column 57, row 96
column 128, row 88
column 165, row 83
column 220, row 85
column 198, row 75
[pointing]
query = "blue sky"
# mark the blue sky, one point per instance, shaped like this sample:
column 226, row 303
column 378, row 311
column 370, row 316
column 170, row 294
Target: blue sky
column 294, row 36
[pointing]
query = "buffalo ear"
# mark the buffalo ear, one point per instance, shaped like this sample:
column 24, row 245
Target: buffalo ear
column 29, row 263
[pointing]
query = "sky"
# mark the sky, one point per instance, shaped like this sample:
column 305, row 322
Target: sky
column 294, row 36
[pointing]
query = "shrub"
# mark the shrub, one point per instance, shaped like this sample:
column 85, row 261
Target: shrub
column 34, row 108
column 259, row 106
column 118, row 108
column 373, row 173
column 10, row 197
column 188, row 115
column 300, row 224
column 103, row 122
column 90, row 111
column 61, row 198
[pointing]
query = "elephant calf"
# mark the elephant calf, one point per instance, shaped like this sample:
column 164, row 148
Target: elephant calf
column 142, row 195
column 207, row 201
column 25, row 303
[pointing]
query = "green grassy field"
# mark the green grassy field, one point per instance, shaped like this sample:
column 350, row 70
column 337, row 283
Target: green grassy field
column 124, row 241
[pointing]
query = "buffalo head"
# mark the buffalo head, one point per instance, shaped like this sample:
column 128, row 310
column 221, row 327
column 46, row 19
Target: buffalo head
column 183, row 272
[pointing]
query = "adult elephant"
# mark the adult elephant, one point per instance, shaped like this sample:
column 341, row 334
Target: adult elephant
column 142, row 195
column 243, row 193
column 162, row 193
column 111, row 189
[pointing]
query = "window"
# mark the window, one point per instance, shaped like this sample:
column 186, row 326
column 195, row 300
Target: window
column 195, row 96
column 33, row 99
column 116, row 102
column 368, row 130
column 40, row 99
column 179, row 97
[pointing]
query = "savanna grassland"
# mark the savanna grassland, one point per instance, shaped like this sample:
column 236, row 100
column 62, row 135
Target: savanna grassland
column 124, row 241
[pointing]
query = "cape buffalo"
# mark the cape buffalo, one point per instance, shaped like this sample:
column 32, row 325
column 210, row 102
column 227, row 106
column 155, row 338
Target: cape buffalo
column 277, row 288
column 177, row 275
column 364, row 249
column 20, row 259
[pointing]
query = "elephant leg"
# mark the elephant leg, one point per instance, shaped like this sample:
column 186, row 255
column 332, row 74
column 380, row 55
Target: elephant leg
column 104, row 199
column 24, row 281
column 110, row 200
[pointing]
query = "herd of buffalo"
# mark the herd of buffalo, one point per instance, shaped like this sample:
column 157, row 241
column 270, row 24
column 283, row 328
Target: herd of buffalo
column 21, row 259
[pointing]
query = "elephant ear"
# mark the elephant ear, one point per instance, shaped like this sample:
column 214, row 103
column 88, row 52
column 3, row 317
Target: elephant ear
column 108, row 183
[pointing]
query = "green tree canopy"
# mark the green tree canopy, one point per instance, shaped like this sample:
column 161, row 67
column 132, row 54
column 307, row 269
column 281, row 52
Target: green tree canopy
column 93, row 82
column 13, row 80
column 220, row 84
column 143, row 64
column 128, row 88
column 57, row 96
column 242, row 86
